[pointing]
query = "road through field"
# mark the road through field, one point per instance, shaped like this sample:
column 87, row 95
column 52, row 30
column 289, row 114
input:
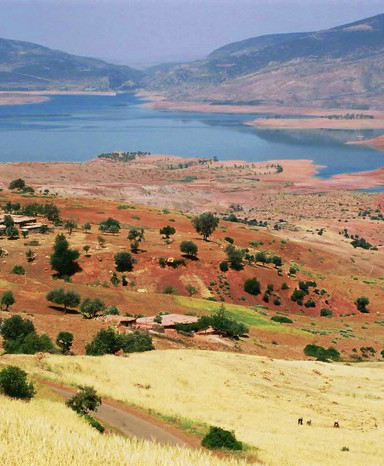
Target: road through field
column 127, row 423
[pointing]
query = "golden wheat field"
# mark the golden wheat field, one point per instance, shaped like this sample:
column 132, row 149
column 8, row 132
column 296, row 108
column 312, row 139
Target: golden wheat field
column 44, row 432
column 257, row 397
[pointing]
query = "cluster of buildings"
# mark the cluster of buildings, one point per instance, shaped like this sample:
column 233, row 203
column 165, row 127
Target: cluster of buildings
column 23, row 222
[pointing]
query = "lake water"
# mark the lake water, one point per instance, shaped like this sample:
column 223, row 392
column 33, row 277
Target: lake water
column 77, row 128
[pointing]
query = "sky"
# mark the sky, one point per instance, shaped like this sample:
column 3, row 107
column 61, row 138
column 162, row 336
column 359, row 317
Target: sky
column 145, row 32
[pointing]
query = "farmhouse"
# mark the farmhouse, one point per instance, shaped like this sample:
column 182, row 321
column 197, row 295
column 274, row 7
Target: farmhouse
column 167, row 321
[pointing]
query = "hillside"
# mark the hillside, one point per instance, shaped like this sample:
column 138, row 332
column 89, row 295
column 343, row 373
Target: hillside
column 338, row 67
column 28, row 66
column 259, row 398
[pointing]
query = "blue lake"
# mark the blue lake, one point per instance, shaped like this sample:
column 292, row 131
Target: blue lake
column 77, row 128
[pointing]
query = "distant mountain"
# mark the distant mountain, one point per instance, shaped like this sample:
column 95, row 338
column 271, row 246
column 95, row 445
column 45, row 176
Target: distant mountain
column 342, row 66
column 28, row 66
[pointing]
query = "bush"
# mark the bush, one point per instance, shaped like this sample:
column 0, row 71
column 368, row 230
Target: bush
column 137, row 342
column 326, row 312
column 362, row 303
column 94, row 423
column 252, row 286
column 235, row 256
column 310, row 303
column 189, row 248
column 112, row 311
column 13, row 383
column 297, row 295
column 85, row 400
column 18, row 270
column 16, row 327
column 220, row 438
column 282, row 319
column 229, row 240
column 322, row 354
column 106, row 341
column 224, row 266
column 7, row 300
column 169, row 290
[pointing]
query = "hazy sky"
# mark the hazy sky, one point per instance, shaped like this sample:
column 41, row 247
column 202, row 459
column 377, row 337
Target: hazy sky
column 140, row 32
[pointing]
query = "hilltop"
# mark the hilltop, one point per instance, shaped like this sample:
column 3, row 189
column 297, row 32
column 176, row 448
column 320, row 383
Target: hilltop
column 26, row 66
column 337, row 67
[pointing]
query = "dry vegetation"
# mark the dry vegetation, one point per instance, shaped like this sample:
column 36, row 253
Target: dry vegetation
column 259, row 398
column 46, row 432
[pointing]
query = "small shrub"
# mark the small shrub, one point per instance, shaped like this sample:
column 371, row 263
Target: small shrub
column 252, row 286
column 224, row 266
column 282, row 319
column 218, row 438
column 325, row 312
column 18, row 270
column 13, row 383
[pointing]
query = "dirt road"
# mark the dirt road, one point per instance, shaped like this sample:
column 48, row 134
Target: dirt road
column 129, row 424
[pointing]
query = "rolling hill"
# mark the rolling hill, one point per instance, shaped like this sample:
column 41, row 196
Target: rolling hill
column 28, row 66
column 338, row 67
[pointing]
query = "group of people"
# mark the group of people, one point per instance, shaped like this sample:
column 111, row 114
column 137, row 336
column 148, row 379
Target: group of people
column 300, row 422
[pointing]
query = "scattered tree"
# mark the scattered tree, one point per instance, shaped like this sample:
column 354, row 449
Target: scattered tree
column 64, row 341
column 63, row 259
column 124, row 262
column 252, row 286
column 205, row 224
column 189, row 248
column 167, row 231
column 91, row 307
column 65, row 298
column 362, row 303
column 7, row 300
column 18, row 184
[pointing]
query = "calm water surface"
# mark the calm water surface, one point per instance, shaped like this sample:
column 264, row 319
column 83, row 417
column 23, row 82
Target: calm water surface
column 77, row 128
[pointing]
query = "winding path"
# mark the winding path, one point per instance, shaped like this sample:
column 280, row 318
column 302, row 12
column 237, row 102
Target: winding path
column 127, row 423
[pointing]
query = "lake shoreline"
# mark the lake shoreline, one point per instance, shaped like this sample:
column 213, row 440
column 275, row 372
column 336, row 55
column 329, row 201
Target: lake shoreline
column 151, row 180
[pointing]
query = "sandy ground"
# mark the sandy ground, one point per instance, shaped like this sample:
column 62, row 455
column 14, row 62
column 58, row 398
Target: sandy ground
column 318, row 123
column 165, row 181
column 376, row 143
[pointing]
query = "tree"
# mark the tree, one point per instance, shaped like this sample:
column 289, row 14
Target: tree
column 13, row 383
column 12, row 232
column 85, row 400
column 91, row 307
column 110, row 225
column 87, row 227
column 30, row 255
column 64, row 341
column 136, row 234
column 115, row 279
column 86, row 249
column 167, row 231
column 17, row 184
column 8, row 221
column 205, row 224
column 7, row 300
column 136, row 342
column 277, row 261
column 101, row 241
column 252, row 286
column 60, row 296
column 69, row 225
column 16, row 328
column 189, row 248
column 44, row 229
column 235, row 256
column 124, row 262
column 63, row 259
column 362, row 303
column 261, row 256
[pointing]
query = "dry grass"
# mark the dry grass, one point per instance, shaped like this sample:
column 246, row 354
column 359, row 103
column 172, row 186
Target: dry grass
column 259, row 398
column 43, row 432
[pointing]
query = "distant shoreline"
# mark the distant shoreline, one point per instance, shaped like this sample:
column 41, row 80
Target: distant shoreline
column 37, row 97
